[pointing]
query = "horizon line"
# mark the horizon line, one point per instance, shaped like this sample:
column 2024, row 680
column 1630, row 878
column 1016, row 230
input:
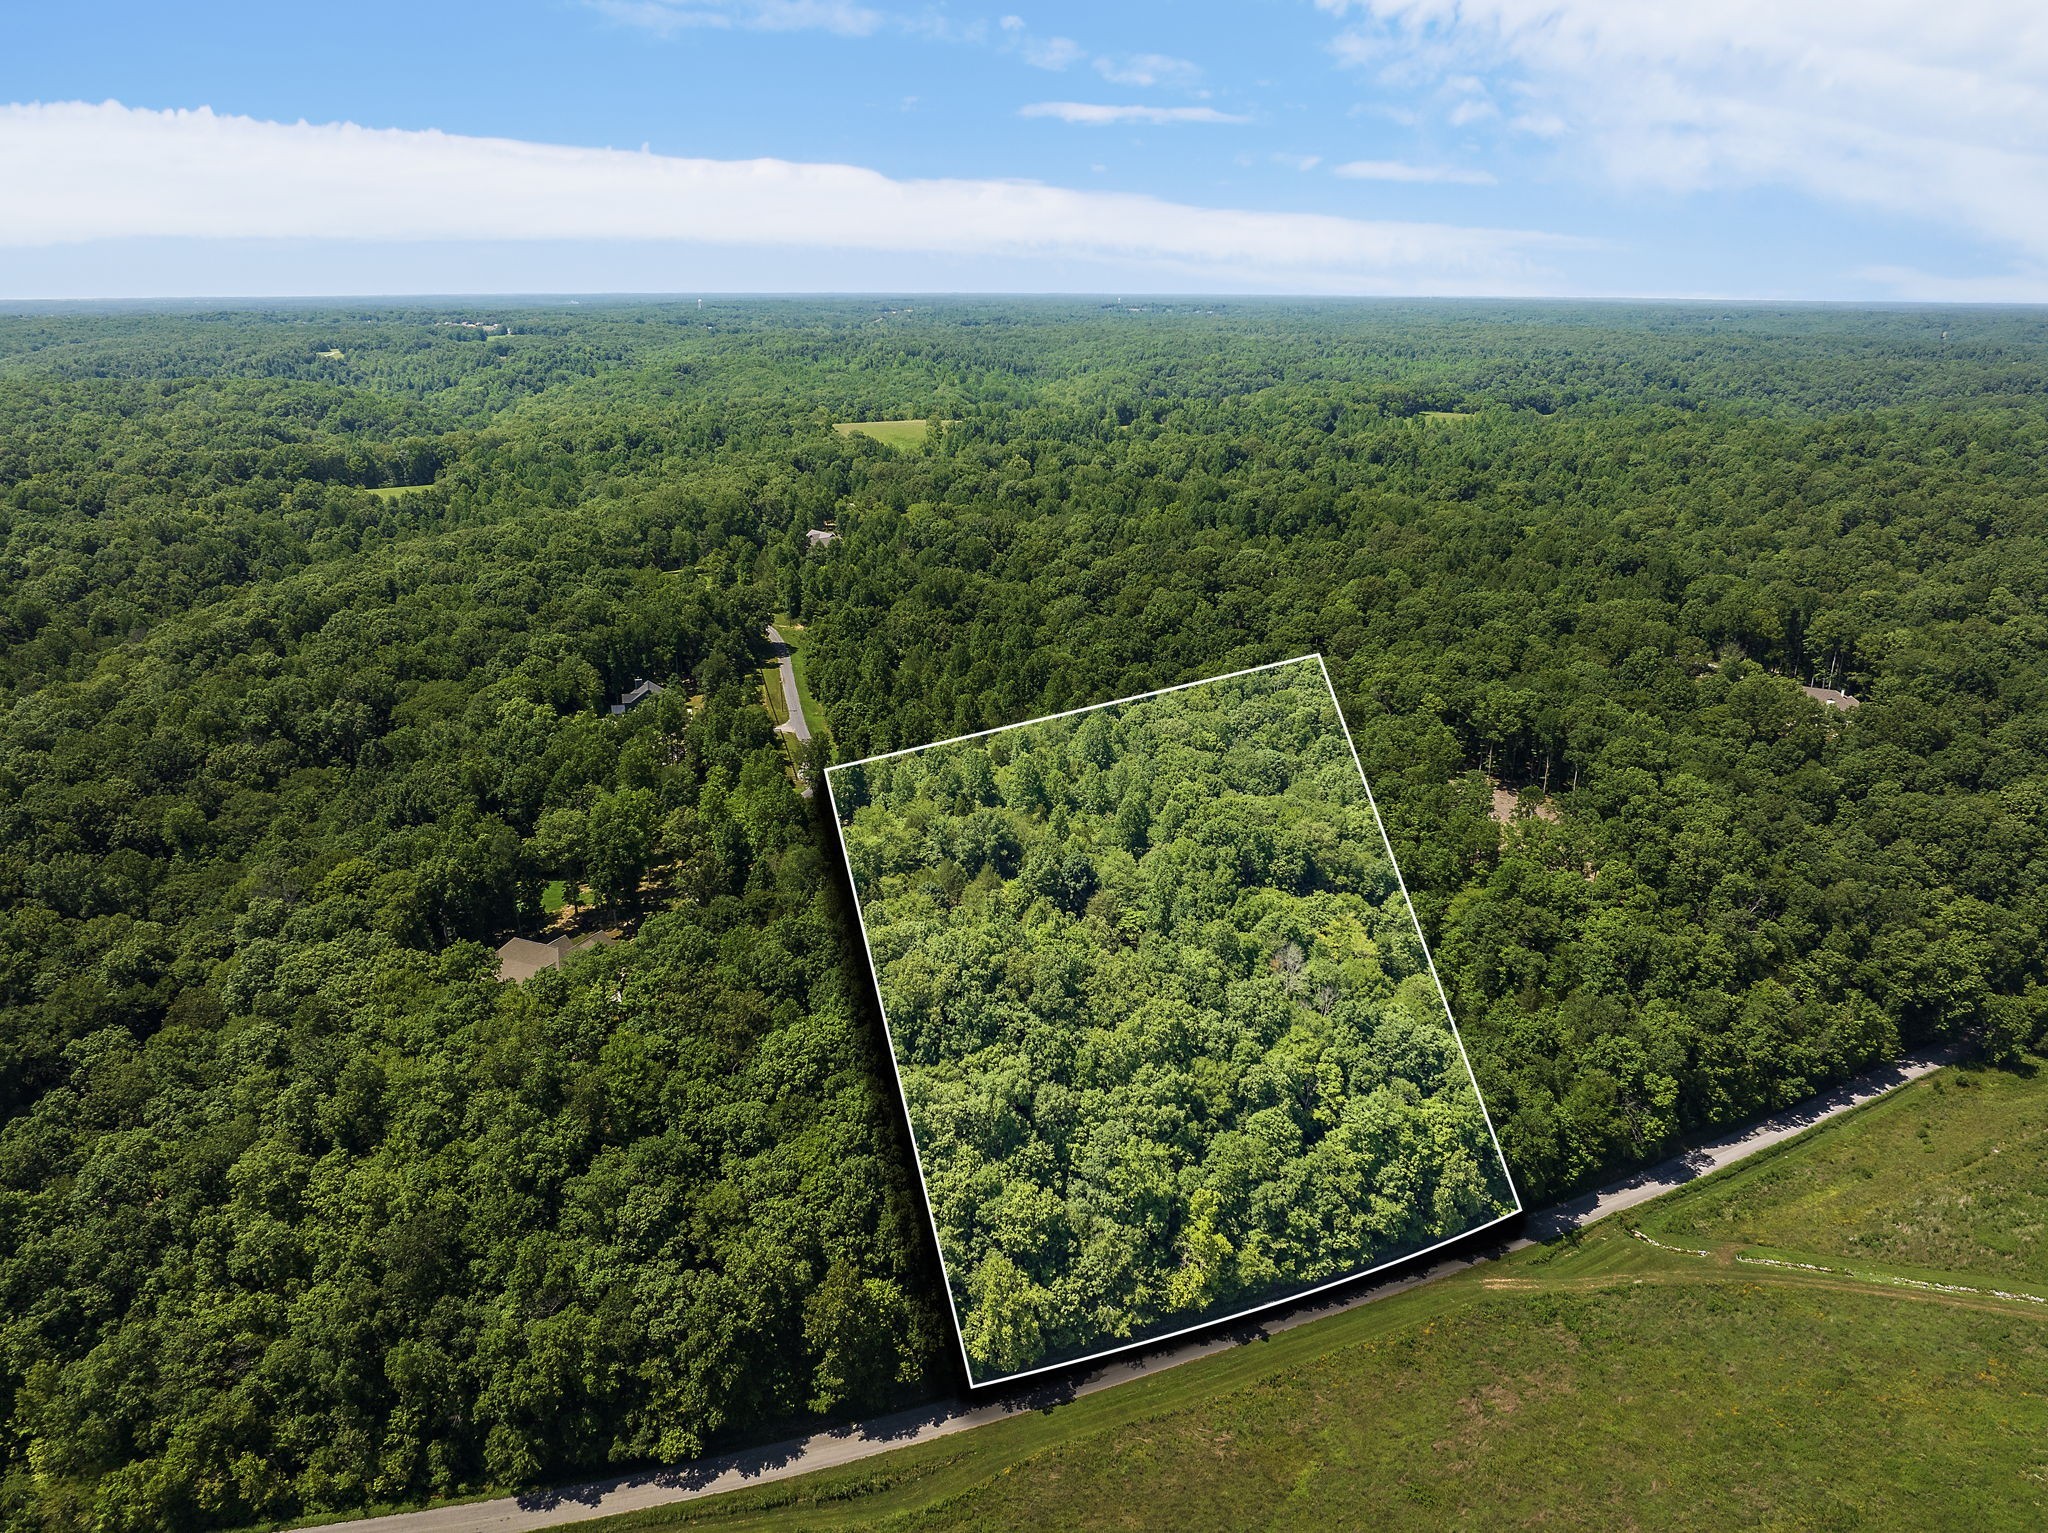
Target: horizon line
column 652, row 295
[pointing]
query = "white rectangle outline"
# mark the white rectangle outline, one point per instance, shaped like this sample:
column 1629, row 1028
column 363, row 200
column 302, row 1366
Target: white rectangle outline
column 889, row 1039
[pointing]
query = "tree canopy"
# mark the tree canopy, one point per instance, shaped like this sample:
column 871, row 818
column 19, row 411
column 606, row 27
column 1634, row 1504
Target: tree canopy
column 1167, row 1037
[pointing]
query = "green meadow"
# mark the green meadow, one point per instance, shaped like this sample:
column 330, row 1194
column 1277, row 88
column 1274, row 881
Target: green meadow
column 907, row 433
column 1945, row 1176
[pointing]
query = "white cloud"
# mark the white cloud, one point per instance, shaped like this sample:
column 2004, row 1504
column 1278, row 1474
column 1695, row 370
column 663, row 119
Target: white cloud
column 1053, row 52
column 76, row 172
column 1356, row 48
column 668, row 17
column 1302, row 162
column 1397, row 170
column 1936, row 112
column 1096, row 115
column 1146, row 69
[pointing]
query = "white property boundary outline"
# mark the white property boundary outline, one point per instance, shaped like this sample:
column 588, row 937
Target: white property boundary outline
column 903, row 1097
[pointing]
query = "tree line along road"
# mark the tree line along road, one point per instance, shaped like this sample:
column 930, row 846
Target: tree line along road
column 860, row 1440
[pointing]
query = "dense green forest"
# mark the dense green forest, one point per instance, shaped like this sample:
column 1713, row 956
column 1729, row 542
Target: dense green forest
column 300, row 1209
column 1167, row 1039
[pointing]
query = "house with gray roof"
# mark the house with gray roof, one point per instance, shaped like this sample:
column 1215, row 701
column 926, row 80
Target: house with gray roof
column 642, row 690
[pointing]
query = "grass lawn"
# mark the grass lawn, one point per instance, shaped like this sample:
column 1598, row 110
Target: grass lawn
column 1597, row 1382
column 393, row 491
column 771, row 694
column 888, row 433
column 1450, row 415
column 554, row 896
column 1949, row 1174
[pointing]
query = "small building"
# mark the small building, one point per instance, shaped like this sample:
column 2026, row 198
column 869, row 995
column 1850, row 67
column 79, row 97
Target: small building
column 642, row 690
column 1828, row 697
column 520, row 958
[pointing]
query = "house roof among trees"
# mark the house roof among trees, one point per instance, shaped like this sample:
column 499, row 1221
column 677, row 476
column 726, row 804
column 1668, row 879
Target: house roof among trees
column 1829, row 697
column 642, row 690
column 520, row 958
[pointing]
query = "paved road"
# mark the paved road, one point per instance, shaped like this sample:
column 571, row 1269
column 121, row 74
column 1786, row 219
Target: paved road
column 824, row 1450
column 782, row 650
column 792, row 700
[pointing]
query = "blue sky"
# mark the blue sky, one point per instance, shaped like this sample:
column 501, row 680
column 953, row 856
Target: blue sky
column 1816, row 149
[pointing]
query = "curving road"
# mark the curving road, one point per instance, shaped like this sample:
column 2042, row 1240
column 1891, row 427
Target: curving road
column 824, row 1450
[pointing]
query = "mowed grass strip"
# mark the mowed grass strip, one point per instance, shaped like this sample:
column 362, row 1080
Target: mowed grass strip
column 1942, row 1177
column 771, row 695
column 888, row 433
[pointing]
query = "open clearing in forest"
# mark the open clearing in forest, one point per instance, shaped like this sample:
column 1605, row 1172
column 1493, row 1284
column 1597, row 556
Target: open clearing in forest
column 393, row 491
column 907, row 433
column 1697, row 1392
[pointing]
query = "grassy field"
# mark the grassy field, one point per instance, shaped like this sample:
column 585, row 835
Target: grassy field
column 888, row 433
column 393, row 491
column 1449, row 416
column 1946, row 1175
column 1596, row 1382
